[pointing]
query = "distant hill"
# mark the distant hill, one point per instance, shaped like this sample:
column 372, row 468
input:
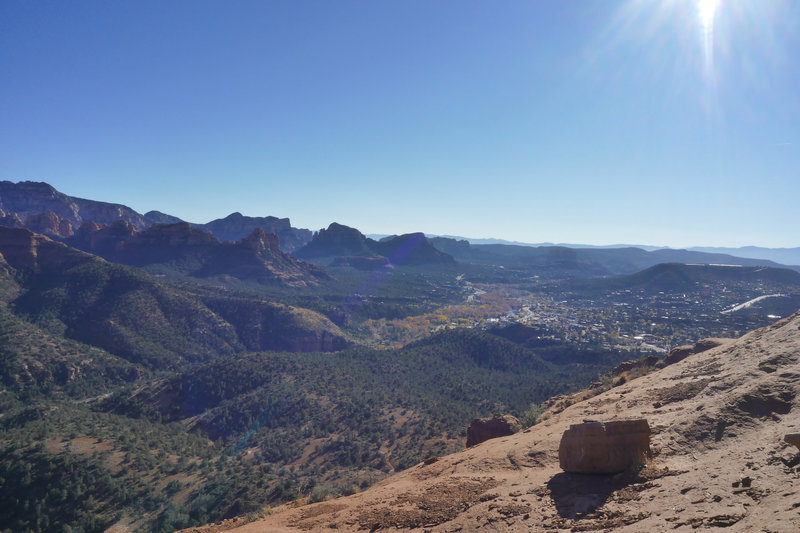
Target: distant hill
column 157, row 217
column 336, row 240
column 675, row 277
column 472, row 240
column 411, row 249
column 786, row 256
column 339, row 241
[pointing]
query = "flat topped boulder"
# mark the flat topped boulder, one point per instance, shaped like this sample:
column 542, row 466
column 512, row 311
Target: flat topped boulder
column 483, row 429
column 604, row 447
column 793, row 438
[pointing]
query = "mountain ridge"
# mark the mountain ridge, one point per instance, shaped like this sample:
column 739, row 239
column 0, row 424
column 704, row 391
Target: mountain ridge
column 41, row 208
column 194, row 252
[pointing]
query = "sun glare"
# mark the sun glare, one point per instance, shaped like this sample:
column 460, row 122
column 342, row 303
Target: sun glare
column 706, row 8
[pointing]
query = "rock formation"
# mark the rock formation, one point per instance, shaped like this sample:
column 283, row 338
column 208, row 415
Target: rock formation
column 680, row 353
column 793, row 439
column 236, row 226
column 10, row 220
column 258, row 257
column 604, row 447
column 336, row 240
column 191, row 251
column 28, row 198
column 483, row 429
column 625, row 366
column 49, row 223
column 342, row 241
column 411, row 249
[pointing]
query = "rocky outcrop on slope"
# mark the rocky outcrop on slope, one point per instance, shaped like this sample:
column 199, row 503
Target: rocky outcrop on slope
column 604, row 447
column 164, row 243
column 10, row 220
column 644, row 363
column 50, row 224
column 680, row 353
column 102, row 240
column 483, row 429
column 258, row 257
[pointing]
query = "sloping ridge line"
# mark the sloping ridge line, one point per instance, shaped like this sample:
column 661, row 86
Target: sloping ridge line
column 718, row 421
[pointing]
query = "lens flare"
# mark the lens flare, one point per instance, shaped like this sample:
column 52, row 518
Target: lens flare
column 706, row 9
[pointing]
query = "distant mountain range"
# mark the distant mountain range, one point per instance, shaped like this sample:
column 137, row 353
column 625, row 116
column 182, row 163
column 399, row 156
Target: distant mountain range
column 561, row 261
column 119, row 233
column 190, row 251
column 472, row 240
column 785, row 256
column 41, row 208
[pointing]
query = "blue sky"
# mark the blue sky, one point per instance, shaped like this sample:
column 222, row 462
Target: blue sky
column 565, row 121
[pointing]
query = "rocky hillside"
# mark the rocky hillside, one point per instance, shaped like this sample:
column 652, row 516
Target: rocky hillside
column 718, row 421
column 187, row 250
column 41, row 208
column 123, row 310
column 45, row 210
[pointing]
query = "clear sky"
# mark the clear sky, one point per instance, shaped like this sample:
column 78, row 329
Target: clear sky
column 672, row 122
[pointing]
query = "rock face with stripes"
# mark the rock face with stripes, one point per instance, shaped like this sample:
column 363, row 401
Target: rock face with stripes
column 604, row 447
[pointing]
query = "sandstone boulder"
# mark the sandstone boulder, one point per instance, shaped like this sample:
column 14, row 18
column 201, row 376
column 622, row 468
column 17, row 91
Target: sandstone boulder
column 483, row 429
column 793, row 438
column 604, row 447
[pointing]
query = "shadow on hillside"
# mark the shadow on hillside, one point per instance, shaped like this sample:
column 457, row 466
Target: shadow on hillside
column 576, row 495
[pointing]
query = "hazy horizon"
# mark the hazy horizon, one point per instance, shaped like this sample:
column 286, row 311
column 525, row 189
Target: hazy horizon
column 668, row 123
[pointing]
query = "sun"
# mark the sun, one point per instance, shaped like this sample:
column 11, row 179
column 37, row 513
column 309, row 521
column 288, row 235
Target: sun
column 706, row 9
